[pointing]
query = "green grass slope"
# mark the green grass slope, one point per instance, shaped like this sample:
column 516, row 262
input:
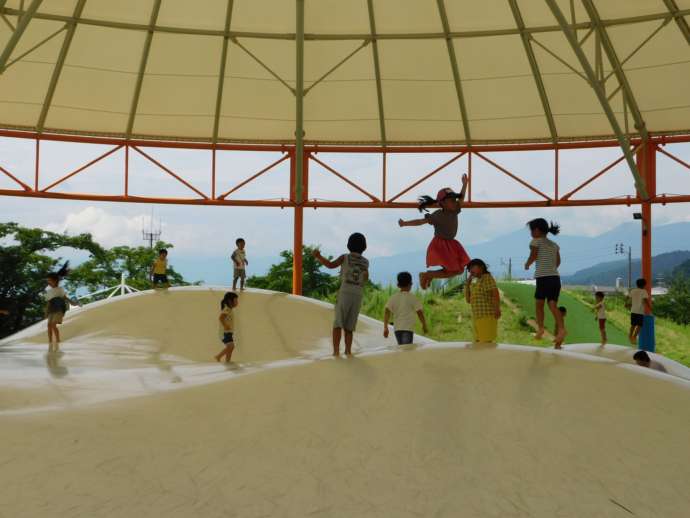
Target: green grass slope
column 580, row 322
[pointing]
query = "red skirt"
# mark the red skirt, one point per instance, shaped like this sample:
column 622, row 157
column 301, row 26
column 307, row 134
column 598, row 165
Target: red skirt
column 448, row 254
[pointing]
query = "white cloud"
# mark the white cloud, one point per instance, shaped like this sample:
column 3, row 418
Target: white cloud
column 107, row 228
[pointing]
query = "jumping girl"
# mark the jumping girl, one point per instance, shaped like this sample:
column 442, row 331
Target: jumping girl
column 547, row 255
column 444, row 250
column 56, row 305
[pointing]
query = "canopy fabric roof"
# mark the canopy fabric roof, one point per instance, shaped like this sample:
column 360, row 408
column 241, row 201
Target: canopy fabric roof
column 375, row 71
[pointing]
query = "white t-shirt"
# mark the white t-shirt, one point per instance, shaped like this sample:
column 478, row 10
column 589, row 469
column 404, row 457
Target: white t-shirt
column 637, row 297
column 601, row 310
column 404, row 306
column 57, row 292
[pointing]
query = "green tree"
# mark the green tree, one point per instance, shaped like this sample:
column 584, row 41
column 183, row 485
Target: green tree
column 106, row 269
column 24, row 267
column 675, row 304
column 315, row 282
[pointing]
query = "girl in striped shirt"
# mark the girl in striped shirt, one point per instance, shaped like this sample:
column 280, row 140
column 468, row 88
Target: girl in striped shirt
column 547, row 255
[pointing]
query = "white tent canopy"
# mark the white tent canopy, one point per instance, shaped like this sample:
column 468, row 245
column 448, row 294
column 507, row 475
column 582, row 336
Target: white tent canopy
column 377, row 71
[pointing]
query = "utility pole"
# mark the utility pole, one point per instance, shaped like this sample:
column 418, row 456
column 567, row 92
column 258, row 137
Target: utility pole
column 151, row 235
column 620, row 250
column 509, row 275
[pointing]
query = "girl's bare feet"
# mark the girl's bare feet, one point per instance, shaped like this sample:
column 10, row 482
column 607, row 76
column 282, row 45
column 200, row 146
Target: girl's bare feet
column 539, row 335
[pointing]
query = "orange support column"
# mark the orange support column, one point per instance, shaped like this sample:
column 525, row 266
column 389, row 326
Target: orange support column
column 298, row 196
column 646, row 163
column 297, row 251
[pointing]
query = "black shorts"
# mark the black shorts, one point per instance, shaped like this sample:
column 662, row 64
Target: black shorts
column 404, row 337
column 636, row 320
column 548, row 288
column 227, row 338
column 160, row 278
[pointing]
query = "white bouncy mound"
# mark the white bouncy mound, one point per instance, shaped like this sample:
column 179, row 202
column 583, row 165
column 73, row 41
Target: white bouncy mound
column 431, row 430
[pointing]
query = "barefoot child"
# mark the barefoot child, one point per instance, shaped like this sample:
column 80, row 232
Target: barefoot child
column 404, row 307
column 639, row 307
column 159, row 270
column 227, row 325
column 547, row 255
column 559, row 338
column 444, row 250
column 56, row 306
column 354, row 273
column 482, row 295
column 239, row 262
column 600, row 310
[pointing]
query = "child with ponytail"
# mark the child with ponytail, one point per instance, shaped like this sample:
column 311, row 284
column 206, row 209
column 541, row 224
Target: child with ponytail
column 57, row 304
column 444, row 250
column 546, row 253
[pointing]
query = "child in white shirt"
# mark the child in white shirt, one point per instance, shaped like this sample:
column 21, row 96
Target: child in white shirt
column 404, row 307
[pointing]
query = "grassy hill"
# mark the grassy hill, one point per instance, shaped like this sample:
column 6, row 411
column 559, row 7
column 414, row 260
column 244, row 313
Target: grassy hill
column 450, row 319
column 580, row 322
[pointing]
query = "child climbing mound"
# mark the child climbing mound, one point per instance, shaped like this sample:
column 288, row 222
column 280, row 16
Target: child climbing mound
column 159, row 270
column 405, row 308
column 227, row 325
column 354, row 273
column 57, row 303
column 444, row 250
column 547, row 255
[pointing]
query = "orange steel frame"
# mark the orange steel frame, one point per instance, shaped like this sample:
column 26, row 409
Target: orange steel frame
column 645, row 153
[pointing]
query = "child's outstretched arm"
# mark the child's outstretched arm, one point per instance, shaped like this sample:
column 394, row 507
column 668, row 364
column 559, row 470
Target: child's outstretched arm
column 422, row 319
column 386, row 320
column 463, row 190
column 326, row 262
column 533, row 253
column 413, row 222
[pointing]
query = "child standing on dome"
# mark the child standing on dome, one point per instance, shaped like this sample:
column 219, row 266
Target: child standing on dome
column 444, row 250
column 57, row 304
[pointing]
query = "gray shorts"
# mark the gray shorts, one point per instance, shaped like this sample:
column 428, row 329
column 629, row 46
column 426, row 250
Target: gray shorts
column 347, row 310
column 239, row 274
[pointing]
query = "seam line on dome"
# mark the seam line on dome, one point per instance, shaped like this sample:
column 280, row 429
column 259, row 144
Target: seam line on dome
column 534, row 66
column 142, row 67
column 57, row 71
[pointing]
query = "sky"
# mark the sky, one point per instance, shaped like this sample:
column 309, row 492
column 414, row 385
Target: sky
column 205, row 232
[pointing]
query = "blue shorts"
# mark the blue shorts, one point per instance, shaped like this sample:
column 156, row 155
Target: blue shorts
column 227, row 338
column 160, row 278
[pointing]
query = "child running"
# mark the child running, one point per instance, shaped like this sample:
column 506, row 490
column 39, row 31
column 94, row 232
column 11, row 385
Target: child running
column 159, row 270
column 482, row 295
column 547, row 255
column 56, row 306
column 227, row 325
column 404, row 306
column 239, row 262
column 639, row 307
column 444, row 250
column 354, row 274
column 559, row 338
column 600, row 310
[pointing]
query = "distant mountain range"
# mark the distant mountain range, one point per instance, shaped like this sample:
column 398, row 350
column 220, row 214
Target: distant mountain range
column 578, row 253
column 605, row 274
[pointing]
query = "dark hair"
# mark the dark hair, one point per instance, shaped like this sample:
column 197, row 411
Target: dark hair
column 162, row 251
column 357, row 243
column 599, row 294
column 228, row 299
column 544, row 227
column 427, row 201
column 239, row 240
column 404, row 279
column 641, row 356
column 60, row 274
column 641, row 283
column 563, row 309
column 478, row 262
